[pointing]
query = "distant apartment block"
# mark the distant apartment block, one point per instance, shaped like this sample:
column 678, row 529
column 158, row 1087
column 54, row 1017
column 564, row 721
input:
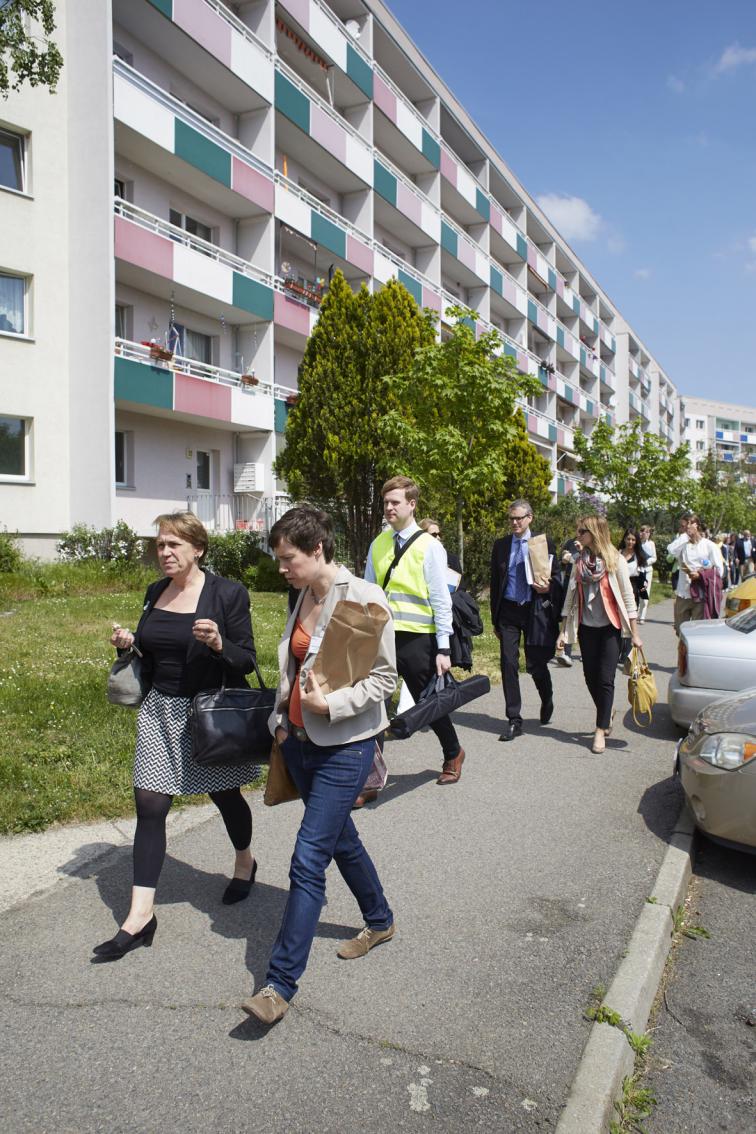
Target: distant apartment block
column 171, row 220
column 727, row 430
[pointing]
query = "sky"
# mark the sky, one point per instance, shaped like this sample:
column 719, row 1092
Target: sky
column 633, row 124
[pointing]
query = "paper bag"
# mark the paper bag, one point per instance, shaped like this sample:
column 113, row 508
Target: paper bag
column 350, row 644
column 540, row 560
column 280, row 787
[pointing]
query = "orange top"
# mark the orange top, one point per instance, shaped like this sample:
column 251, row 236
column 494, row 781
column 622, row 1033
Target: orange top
column 299, row 644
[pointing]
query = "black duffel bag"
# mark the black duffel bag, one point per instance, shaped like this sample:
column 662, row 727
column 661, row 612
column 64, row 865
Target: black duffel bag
column 440, row 697
column 230, row 726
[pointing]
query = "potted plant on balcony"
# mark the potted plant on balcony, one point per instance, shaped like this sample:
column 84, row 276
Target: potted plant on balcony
column 158, row 351
column 291, row 399
column 250, row 379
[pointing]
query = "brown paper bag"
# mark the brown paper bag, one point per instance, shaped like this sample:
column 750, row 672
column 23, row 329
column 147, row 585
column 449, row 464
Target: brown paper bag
column 350, row 644
column 280, row 787
column 540, row 560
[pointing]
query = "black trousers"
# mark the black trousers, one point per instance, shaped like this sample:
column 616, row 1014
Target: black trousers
column 600, row 647
column 416, row 663
column 511, row 626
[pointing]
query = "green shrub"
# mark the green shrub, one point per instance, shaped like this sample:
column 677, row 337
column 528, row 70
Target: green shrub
column 232, row 554
column 10, row 553
column 265, row 576
column 117, row 544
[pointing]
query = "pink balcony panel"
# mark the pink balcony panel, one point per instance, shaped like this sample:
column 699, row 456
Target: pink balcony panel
column 542, row 320
column 495, row 219
column 290, row 314
column 359, row 254
column 532, row 423
column 327, row 133
column 448, row 167
column 466, row 254
column 509, row 290
column 409, row 204
column 252, row 185
column 532, row 258
column 430, row 299
column 560, row 286
column 552, row 382
column 384, row 98
column 200, row 398
column 136, row 245
column 560, row 437
column 199, row 21
column 523, row 362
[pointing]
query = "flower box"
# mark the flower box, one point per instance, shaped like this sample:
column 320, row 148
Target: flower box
column 159, row 352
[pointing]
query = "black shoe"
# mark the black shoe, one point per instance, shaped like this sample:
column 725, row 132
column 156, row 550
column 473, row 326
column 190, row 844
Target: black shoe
column 511, row 730
column 547, row 710
column 238, row 888
column 124, row 942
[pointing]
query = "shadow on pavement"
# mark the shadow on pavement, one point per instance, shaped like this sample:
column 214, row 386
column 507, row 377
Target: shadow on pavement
column 397, row 786
column 662, row 727
column 660, row 805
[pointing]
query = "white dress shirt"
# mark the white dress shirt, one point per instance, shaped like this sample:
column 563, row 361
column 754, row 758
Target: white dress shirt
column 695, row 556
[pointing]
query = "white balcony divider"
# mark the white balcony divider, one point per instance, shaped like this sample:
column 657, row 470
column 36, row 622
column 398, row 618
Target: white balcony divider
column 407, row 102
column 180, row 236
column 138, row 352
column 238, row 26
column 181, row 111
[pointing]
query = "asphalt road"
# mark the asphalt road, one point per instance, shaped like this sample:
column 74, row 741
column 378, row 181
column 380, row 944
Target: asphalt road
column 515, row 893
column 703, row 1059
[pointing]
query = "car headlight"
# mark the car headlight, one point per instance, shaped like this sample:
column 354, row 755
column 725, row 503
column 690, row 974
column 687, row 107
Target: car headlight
column 728, row 750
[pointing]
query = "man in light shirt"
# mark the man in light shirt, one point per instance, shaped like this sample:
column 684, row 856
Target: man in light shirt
column 410, row 565
column 745, row 554
column 694, row 553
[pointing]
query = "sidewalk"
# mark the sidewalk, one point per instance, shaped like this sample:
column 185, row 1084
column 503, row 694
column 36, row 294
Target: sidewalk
column 516, row 892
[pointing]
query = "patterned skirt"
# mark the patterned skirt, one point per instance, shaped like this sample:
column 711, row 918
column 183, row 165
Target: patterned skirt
column 163, row 758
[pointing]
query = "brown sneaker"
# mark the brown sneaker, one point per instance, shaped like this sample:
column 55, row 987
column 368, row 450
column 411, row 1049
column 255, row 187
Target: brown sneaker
column 365, row 940
column 267, row 1004
column 452, row 769
column 364, row 797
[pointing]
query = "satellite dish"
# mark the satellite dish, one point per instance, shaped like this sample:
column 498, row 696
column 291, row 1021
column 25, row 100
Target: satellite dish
column 353, row 27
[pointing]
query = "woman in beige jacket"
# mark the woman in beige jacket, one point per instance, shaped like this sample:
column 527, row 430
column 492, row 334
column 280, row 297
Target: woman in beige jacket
column 328, row 743
column 599, row 610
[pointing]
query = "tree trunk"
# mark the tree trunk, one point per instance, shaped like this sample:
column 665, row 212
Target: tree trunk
column 460, row 532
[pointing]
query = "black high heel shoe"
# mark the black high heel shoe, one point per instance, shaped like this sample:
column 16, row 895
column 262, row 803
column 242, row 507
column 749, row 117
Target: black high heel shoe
column 238, row 888
column 124, row 942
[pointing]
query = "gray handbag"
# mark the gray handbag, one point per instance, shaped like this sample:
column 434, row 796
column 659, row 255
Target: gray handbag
column 127, row 685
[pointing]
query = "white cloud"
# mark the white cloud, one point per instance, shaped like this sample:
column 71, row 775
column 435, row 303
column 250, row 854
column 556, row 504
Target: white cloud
column 675, row 84
column 733, row 57
column 642, row 273
column 751, row 242
column 573, row 216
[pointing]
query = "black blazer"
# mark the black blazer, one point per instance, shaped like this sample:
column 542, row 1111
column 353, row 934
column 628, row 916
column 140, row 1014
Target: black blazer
column 227, row 603
column 543, row 609
column 740, row 555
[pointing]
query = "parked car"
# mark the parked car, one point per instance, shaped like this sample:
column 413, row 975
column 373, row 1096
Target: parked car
column 740, row 597
column 712, row 658
column 717, row 766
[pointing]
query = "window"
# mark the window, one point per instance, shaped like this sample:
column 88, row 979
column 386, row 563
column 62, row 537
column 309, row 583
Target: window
column 120, row 457
column 12, row 164
column 119, row 187
column 700, row 423
column 198, row 346
column 700, row 445
column 203, row 471
column 13, row 304
column 123, row 321
column 687, row 423
column 190, row 225
column 14, row 447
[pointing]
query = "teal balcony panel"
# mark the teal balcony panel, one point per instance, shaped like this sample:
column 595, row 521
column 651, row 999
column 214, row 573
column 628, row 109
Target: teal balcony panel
column 576, row 304
column 194, row 148
column 292, row 103
column 522, row 246
column 253, row 296
column 431, row 150
column 413, row 287
column 552, row 432
column 360, row 72
column 552, row 279
column 324, row 231
column 384, row 182
column 280, row 415
column 448, row 239
column 146, row 385
column 482, row 205
column 532, row 311
column 164, row 6
column 497, row 280
column 560, row 336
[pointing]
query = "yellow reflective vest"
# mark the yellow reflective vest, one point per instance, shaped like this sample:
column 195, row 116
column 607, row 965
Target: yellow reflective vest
column 407, row 590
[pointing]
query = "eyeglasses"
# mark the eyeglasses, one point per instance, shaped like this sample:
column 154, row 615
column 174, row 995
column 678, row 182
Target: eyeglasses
column 518, row 519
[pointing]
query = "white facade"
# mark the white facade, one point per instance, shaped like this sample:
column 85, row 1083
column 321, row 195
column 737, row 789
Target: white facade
column 199, row 174
column 727, row 430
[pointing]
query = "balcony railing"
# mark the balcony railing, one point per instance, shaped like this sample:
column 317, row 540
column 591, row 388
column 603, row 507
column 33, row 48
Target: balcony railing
column 227, row 512
column 238, row 26
column 181, row 111
column 318, row 207
column 313, row 96
column 180, row 236
column 179, row 364
column 407, row 102
column 397, row 173
column 309, row 291
column 333, row 19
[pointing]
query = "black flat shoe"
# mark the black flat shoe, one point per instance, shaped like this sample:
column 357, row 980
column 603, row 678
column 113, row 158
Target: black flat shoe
column 547, row 710
column 124, row 942
column 512, row 729
column 238, row 888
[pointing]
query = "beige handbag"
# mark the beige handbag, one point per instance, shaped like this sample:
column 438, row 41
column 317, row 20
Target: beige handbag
column 641, row 687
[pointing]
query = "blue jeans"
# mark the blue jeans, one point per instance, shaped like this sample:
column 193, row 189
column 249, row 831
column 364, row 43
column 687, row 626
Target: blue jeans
column 329, row 781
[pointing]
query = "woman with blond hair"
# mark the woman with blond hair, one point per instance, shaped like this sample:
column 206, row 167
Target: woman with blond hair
column 599, row 610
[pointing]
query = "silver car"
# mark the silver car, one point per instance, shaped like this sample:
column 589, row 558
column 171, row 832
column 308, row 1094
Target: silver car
column 713, row 658
column 717, row 766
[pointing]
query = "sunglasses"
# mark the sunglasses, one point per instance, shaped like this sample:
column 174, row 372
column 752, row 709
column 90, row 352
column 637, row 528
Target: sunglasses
column 582, row 531
column 436, row 535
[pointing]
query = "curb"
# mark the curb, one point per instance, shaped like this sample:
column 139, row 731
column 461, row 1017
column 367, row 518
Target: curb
column 608, row 1057
column 32, row 865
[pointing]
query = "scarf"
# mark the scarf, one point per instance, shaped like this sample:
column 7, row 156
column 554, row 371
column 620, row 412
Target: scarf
column 590, row 572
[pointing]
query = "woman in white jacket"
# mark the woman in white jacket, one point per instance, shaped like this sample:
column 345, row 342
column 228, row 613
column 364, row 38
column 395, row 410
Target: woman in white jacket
column 599, row 610
column 648, row 545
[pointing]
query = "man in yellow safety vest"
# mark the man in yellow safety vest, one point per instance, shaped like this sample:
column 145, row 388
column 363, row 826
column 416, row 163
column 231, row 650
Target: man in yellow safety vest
column 410, row 565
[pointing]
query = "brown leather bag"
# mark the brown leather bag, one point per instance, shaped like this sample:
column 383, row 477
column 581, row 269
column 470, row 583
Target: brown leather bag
column 280, row 787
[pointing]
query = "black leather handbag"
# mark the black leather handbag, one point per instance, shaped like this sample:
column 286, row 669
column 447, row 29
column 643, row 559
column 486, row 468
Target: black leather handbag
column 441, row 696
column 230, row 726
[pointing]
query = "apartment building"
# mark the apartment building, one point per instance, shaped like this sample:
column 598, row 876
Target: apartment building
column 727, row 430
column 182, row 204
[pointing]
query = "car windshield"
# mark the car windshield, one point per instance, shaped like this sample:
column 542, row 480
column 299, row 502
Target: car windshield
column 745, row 622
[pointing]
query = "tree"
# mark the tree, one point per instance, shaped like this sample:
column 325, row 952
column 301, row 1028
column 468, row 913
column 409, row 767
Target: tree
column 25, row 57
column 334, row 451
column 634, row 470
column 454, row 421
column 723, row 496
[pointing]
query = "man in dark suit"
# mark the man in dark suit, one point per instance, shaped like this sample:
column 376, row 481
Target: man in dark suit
column 745, row 554
column 520, row 607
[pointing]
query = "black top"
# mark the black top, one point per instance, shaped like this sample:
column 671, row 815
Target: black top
column 166, row 637
column 226, row 603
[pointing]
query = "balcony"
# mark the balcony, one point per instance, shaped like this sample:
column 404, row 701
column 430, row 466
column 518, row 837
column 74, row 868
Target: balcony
column 401, row 207
column 301, row 211
column 401, row 130
column 470, row 264
column 161, row 134
column 183, row 388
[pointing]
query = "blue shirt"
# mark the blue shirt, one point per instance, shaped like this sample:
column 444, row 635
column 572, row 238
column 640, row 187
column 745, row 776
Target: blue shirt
column 434, row 573
column 517, row 587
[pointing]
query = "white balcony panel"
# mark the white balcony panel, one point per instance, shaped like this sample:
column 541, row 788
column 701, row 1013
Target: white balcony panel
column 383, row 269
column 542, row 267
column 251, row 64
column 327, row 36
column 251, row 410
column 408, row 124
column 521, row 301
column 466, row 186
column 359, row 158
column 202, row 274
column 431, row 223
column 135, row 108
column 482, row 266
column 508, row 231
column 292, row 210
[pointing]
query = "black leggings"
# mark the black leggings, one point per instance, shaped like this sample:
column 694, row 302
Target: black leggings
column 600, row 647
column 152, row 809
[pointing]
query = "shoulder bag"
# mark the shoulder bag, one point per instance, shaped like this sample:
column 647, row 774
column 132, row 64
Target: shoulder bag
column 230, row 726
column 641, row 687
